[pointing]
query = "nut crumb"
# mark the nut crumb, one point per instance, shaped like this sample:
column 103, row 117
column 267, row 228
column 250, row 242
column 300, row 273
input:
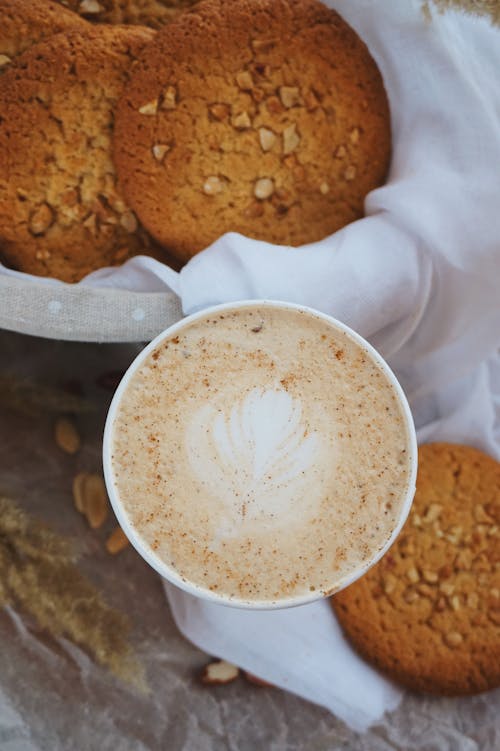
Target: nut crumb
column 159, row 150
column 453, row 639
column 169, row 99
column 129, row 222
column 433, row 512
column 263, row 45
column 324, row 188
column 244, row 80
column 150, row 108
column 350, row 173
column 341, row 152
column 264, row 188
column 90, row 6
column 212, row 185
column 430, row 576
column 41, row 219
column 219, row 111
column 291, row 139
column 290, row 96
column 219, row 673
column 241, row 121
column 267, row 139
column 354, row 135
column 413, row 575
column 4, row 60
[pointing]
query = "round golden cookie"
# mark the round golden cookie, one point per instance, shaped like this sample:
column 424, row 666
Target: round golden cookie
column 428, row 614
column 153, row 13
column 25, row 22
column 61, row 213
column 265, row 117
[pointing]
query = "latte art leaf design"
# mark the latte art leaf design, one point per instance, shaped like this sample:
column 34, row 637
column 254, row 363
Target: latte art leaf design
column 253, row 456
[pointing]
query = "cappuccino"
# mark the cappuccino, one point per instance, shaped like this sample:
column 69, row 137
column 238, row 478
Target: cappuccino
column 260, row 453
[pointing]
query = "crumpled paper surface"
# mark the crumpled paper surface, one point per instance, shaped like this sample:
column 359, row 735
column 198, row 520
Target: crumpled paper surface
column 53, row 697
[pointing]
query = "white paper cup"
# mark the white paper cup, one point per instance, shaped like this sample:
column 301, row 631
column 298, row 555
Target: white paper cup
column 168, row 572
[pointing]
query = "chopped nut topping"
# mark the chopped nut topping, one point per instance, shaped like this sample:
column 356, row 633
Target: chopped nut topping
column 159, row 150
column 150, row 108
column 128, row 221
column 447, row 588
column 264, row 188
column 4, row 60
column 291, row 139
column 90, row 6
column 350, row 173
column 453, row 638
column 324, row 188
column 169, row 100
column 290, row 96
column 410, row 596
column 389, row 584
column 413, row 575
column 416, row 520
column 430, row 576
column 90, row 223
column 212, row 185
column 455, row 602
column 267, row 139
column 258, row 94
column 354, row 135
column 219, row 111
column 472, row 600
column 41, row 219
column 244, row 80
column 341, row 152
column 263, row 45
column 241, row 121
column 43, row 255
column 433, row 512
column 493, row 531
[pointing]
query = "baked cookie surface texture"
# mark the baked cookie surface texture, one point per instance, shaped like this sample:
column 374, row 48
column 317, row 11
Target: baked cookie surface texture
column 153, row 13
column 265, row 117
column 428, row 614
column 61, row 213
column 26, row 22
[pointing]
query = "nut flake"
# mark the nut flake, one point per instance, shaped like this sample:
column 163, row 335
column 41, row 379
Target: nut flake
column 159, row 150
column 290, row 96
column 244, row 80
column 433, row 512
column 267, row 139
column 291, row 139
column 430, row 577
column 90, row 6
column 212, row 185
column 354, row 135
column 128, row 221
column 350, row 173
column 324, row 188
column 241, row 121
column 413, row 575
column 219, row 672
column 264, row 188
column 453, row 639
column 150, row 108
column 66, row 436
column 169, row 100
column 219, row 111
column 41, row 219
column 4, row 60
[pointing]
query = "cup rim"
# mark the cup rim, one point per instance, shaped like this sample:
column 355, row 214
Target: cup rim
column 169, row 573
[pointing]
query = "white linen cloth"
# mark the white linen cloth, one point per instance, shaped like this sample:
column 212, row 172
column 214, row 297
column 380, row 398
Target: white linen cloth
column 418, row 277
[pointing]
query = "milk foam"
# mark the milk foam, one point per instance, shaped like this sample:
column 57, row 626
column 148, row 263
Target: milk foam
column 255, row 456
column 261, row 453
